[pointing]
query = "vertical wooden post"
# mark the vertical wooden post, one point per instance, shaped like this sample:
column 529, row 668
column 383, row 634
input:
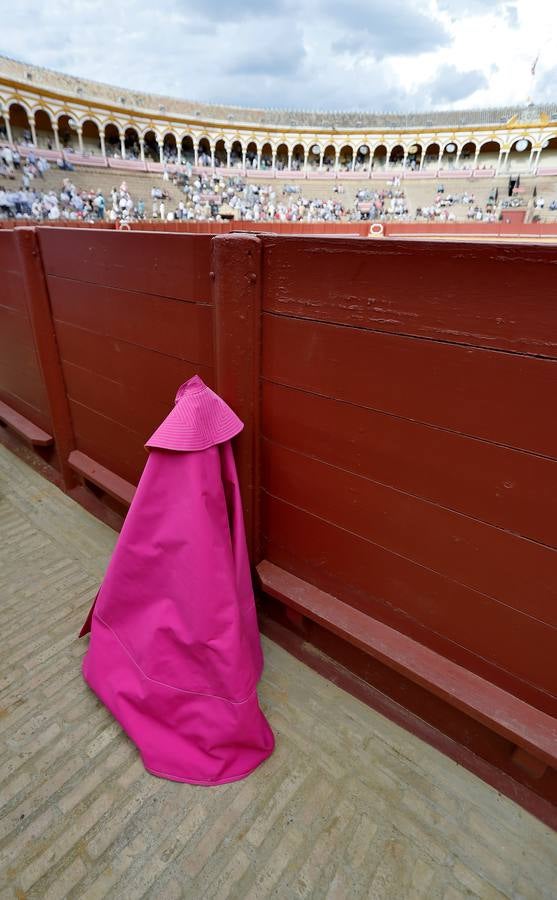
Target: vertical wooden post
column 40, row 316
column 236, row 276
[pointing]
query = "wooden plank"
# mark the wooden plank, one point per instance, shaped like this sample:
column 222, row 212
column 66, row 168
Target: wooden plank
column 23, row 427
column 167, row 265
column 484, row 295
column 427, row 606
column 503, row 487
column 514, row 571
column 505, row 714
column 117, row 487
column 8, row 258
column 481, row 393
column 11, row 291
column 16, row 337
column 139, row 411
column 236, row 293
column 44, row 339
column 108, row 442
column 173, row 327
column 145, row 370
column 14, row 401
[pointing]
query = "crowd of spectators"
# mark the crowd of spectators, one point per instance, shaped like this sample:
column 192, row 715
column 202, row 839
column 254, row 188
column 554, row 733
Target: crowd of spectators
column 390, row 203
column 213, row 197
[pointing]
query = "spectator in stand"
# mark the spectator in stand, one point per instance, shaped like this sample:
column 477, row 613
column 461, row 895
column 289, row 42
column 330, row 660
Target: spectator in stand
column 99, row 205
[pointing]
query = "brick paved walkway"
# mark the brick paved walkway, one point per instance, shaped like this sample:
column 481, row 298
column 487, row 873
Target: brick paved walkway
column 349, row 805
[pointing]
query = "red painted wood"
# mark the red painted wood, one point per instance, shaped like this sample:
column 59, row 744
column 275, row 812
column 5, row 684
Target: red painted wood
column 23, row 427
column 481, row 393
column 117, row 487
column 109, row 442
column 46, row 351
column 403, row 594
column 478, row 294
column 142, row 373
column 508, row 716
column 511, row 570
column 169, row 326
column 140, row 412
column 507, row 488
column 169, row 265
column 21, row 383
column 236, row 292
column 418, row 711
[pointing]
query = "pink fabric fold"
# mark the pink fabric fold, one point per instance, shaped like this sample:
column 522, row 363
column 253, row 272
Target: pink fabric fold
column 175, row 651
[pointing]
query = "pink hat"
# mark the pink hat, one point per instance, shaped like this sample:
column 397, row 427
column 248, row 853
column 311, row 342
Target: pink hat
column 199, row 420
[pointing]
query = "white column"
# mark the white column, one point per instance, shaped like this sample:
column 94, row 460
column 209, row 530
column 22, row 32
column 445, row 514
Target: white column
column 337, row 159
column 321, row 154
column 142, row 149
column 243, row 158
column 123, row 146
column 353, row 166
column 273, row 159
column 289, row 159
column 101, row 139
column 227, row 157
column 195, row 154
column 80, row 139
column 56, row 138
column 6, row 115
column 161, row 146
column 476, row 155
column 33, row 130
column 179, row 152
column 422, row 160
column 212, row 156
column 404, row 158
column 499, row 161
column 259, row 159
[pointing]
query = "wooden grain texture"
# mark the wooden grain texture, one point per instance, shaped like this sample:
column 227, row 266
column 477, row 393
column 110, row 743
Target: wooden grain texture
column 169, row 326
column 168, row 265
column 21, row 383
column 133, row 320
column 494, row 396
column 505, row 714
column 108, row 442
column 503, row 487
column 483, row 295
column 236, row 293
column 421, row 603
column 507, row 568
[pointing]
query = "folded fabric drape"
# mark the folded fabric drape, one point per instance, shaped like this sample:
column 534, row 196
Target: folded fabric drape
column 175, row 651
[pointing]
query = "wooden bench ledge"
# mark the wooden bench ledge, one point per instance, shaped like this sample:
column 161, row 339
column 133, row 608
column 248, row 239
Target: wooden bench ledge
column 525, row 726
column 108, row 481
column 23, row 427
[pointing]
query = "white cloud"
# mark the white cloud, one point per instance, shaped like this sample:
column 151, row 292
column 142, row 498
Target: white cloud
column 309, row 54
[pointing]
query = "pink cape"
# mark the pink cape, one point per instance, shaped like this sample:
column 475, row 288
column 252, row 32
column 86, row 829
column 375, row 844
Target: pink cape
column 175, row 652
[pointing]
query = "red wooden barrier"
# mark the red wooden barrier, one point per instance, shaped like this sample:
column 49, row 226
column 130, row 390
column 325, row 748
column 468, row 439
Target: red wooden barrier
column 399, row 457
column 383, row 379
column 133, row 319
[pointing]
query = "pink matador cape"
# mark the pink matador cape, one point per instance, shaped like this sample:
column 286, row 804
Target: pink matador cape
column 175, row 652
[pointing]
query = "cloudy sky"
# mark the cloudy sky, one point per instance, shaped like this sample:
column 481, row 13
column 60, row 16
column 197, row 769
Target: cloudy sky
column 306, row 54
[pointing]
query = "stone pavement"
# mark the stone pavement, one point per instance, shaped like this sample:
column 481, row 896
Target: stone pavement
column 349, row 806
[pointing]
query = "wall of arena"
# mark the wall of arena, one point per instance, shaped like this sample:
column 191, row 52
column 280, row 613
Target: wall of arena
column 58, row 112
